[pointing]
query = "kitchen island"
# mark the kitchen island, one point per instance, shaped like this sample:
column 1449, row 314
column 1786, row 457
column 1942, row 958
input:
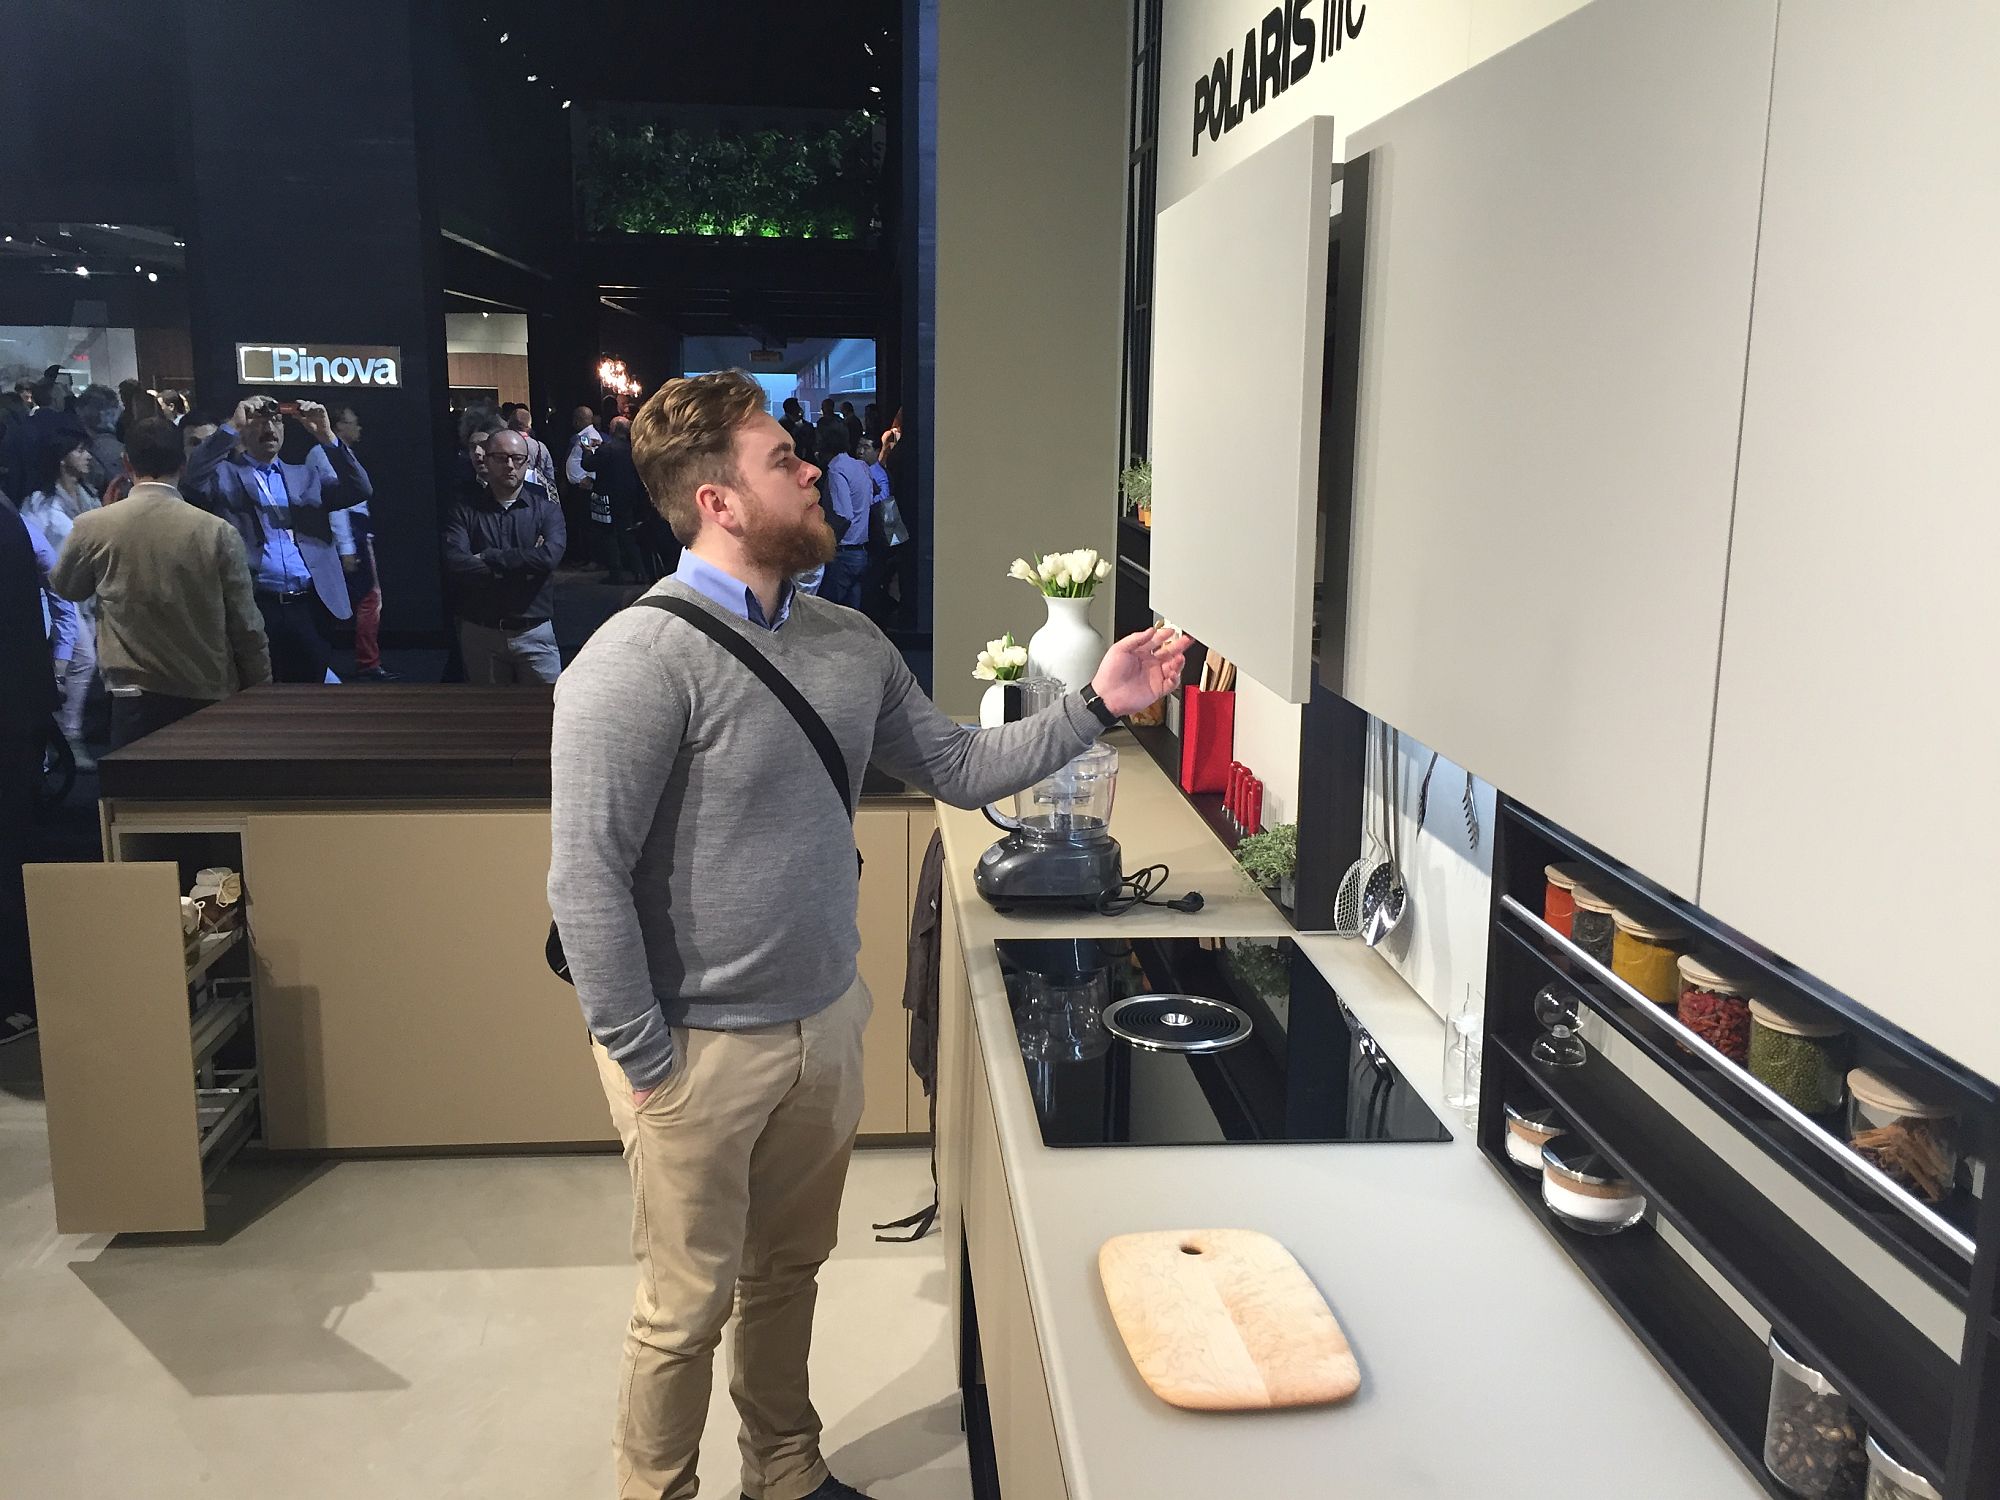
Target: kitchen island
column 391, row 994
column 1491, row 1369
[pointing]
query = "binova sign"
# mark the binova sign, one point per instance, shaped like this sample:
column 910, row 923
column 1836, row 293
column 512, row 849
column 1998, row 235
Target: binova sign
column 319, row 364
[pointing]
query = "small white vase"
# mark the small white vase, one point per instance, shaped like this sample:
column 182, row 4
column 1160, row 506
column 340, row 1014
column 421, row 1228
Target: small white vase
column 993, row 706
column 1066, row 648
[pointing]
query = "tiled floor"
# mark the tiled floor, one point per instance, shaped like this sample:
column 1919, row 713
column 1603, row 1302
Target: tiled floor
column 374, row 1330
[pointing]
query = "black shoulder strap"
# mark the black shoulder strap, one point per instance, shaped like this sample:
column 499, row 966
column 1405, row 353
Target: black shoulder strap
column 779, row 684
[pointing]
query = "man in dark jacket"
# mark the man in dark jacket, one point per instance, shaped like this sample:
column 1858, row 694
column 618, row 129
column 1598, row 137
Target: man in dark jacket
column 646, row 550
column 27, row 699
column 501, row 546
column 280, row 510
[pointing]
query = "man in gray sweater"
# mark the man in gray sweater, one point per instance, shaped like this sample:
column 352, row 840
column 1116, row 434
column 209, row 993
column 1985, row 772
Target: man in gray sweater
column 703, row 876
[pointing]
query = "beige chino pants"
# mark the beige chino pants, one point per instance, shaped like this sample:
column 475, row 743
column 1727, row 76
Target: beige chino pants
column 738, row 1159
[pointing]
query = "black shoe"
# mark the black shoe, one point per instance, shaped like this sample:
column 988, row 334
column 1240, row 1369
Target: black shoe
column 832, row 1489
column 376, row 674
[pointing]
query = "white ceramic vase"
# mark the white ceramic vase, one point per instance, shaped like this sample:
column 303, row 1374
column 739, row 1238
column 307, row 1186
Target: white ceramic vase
column 1067, row 648
column 993, row 706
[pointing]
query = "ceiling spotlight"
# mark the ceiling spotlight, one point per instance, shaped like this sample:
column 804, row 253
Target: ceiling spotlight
column 83, row 270
column 180, row 244
column 10, row 239
column 869, row 48
column 533, row 78
column 485, row 314
column 152, row 275
column 503, row 38
column 565, row 106
column 873, row 89
column 138, row 268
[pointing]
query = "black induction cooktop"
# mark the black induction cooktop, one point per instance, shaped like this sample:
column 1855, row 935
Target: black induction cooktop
column 1198, row 1041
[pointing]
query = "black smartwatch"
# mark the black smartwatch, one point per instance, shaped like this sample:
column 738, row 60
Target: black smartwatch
column 1096, row 705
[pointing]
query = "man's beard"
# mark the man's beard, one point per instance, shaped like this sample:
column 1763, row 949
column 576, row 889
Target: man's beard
column 792, row 547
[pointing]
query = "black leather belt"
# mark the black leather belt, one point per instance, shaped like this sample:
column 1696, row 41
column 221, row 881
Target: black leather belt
column 282, row 597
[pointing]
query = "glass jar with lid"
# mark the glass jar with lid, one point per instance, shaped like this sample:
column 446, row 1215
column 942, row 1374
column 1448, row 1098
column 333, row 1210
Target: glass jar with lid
column 1559, row 896
column 1586, row 1191
column 1803, row 1062
column 1911, row 1138
column 1812, row 1437
column 1714, row 1008
column 1528, row 1130
column 1643, row 955
column 1592, row 926
column 1891, row 1479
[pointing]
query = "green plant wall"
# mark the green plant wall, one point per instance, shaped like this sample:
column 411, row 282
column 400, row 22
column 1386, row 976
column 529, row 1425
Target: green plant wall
column 791, row 182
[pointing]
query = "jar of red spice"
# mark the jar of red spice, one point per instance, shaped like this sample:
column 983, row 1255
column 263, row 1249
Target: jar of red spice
column 1559, row 896
column 1715, row 1009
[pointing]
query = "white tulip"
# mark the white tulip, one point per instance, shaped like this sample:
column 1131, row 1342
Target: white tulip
column 1047, row 567
column 985, row 673
column 1103, row 570
column 1015, row 656
column 994, row 648
column 1023, row 570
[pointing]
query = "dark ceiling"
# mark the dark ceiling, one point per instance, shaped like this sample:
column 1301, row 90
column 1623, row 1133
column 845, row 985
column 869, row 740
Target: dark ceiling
column 753, row 53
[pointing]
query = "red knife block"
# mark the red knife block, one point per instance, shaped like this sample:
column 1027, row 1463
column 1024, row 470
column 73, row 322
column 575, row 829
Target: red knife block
column 1208, row 739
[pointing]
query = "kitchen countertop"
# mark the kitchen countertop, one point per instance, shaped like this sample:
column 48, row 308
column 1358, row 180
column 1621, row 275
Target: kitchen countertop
column 1491, row 1369
column 293, row 742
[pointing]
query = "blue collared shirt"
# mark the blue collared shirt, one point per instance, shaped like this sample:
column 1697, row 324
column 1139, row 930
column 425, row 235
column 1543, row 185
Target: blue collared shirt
column 280, row 567
column 730, row 592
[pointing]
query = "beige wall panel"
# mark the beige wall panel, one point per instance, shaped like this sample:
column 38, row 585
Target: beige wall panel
column 1856, row 727
column 117, row 1066
column 883, row 836
column 1031, row 149
column 402, row 995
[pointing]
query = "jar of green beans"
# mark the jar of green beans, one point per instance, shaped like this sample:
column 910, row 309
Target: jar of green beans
column 1803, row 1062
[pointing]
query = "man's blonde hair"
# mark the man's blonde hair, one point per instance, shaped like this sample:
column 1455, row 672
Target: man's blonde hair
column 685, row 437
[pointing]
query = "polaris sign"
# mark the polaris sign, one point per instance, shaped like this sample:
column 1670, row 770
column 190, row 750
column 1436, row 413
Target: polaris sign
column 319, row 364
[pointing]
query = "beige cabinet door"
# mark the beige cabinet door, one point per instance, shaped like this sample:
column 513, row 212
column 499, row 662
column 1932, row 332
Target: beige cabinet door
column 117, row 1063
column 883, row 836
column 402, row 996
column 1849, row 825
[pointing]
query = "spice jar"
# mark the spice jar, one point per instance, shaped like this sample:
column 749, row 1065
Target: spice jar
column 1914, row 1141
column 1559, row 896
column 1813, row 1441
column 1803, row 1062
column 1592, row 926
column 1714, row 1009
column 1587, row 1192
column 1643, row 956
column 1889, row 1479
column 1528, row 1130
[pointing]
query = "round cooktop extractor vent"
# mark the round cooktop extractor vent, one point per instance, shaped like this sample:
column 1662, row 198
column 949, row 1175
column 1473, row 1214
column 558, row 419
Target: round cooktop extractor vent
column 1177, row 1023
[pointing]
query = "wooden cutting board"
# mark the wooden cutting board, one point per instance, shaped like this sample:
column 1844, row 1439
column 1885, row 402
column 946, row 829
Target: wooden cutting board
column 1225, row 1320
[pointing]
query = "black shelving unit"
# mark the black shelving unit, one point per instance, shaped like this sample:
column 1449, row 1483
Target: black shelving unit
column 1940, row 1412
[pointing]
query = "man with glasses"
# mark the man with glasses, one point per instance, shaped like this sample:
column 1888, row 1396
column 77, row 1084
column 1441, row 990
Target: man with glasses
column 502, row 542
column 281, row 511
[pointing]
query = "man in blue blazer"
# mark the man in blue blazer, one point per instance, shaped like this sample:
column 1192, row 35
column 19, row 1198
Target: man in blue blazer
column 280, row 509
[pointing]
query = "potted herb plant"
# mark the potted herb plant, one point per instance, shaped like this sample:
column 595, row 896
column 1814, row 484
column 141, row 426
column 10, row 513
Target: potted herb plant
column 1271, row 858
column 1136, row 484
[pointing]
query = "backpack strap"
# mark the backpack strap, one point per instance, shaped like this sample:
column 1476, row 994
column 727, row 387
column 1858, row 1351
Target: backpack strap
column 780, row 685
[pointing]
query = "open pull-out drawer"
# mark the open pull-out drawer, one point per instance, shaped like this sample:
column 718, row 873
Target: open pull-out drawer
column 150, row 1088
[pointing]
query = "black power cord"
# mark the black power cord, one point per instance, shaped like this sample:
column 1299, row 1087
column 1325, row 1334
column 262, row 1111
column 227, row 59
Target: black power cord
column 1138, row 889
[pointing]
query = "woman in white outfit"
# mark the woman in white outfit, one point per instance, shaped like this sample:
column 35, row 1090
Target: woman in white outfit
column 53, row 508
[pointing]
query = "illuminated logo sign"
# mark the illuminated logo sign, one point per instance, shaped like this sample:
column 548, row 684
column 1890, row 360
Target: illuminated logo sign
column 319, row 364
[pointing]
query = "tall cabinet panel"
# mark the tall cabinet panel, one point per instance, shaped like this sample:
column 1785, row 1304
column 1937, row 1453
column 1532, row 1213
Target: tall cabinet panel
column 1560, row 251
column 1851, row 826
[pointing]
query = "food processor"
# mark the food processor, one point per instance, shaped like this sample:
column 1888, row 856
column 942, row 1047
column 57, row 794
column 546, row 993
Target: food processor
column 1058, row 853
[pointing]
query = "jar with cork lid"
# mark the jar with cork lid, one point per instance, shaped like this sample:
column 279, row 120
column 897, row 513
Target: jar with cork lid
column 1804, row 1062
column 1912, row 1139
column 1593, row 926
column 1643, row 955
column 1714, row 1008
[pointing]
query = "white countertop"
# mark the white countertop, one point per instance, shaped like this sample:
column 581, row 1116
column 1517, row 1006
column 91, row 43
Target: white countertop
column 1491, row 1369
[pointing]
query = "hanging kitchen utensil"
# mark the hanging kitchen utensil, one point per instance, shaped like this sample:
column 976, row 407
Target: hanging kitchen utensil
column 1471, row 807
column 1347, row 896
column 1386, row 898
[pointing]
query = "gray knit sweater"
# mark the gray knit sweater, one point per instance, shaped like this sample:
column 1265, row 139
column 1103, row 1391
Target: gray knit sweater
column 702, row 868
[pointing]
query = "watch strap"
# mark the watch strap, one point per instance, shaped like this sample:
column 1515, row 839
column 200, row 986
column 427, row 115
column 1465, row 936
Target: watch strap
column 1097, row 706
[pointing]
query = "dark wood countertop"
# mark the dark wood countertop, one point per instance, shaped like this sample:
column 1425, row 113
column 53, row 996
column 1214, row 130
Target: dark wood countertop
column 348, row 744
